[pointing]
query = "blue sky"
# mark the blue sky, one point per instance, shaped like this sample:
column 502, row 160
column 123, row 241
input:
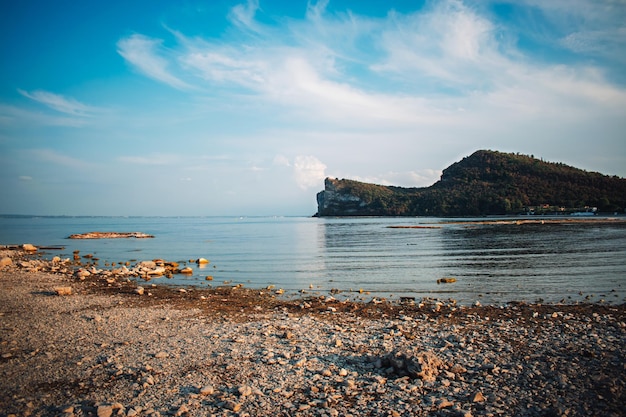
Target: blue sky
column 244, row 107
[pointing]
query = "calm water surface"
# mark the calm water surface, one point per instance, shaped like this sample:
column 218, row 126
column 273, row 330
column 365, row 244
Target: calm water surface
column 492, row 263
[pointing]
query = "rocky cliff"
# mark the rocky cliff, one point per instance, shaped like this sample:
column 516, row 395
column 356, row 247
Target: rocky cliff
column 484, row 183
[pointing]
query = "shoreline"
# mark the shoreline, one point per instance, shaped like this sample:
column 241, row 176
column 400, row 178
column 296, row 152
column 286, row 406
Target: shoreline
column 106, row 350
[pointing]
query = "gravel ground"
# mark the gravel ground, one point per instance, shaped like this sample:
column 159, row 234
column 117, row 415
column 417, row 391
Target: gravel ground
column 104, row 349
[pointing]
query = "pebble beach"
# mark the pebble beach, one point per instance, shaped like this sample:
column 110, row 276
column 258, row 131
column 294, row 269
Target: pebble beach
column 96, row 346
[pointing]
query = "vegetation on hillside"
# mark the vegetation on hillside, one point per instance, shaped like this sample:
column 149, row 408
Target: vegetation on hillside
column 485, row 183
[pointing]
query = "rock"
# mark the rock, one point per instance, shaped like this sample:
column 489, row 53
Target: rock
column 202, row 261
column 139, row 290
column 6, row 261
column 110, row 235
column 161, row 355
column 207, row 390
column 186, row 271
column 105, row 411
column 444, row 403
column 245, row 390
column 150, row 265
column 28, row 247
column 446, row 280
column 82, row 274
column 233, row 406
column 478, row 397
column 158, row 271
column 183, row 409
column 423, row 365
column 63, row 290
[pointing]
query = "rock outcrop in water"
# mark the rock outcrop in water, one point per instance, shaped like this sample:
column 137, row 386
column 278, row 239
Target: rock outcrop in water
column 484, row 183
column 110, row 235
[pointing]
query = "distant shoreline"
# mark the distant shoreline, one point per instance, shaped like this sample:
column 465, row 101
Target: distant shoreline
column 517, row 221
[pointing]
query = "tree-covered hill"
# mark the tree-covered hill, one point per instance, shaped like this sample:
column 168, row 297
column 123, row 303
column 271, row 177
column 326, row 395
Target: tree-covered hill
column 484, row 183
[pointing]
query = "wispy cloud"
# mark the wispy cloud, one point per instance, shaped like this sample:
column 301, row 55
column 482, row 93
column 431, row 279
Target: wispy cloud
column 13, row 115
column 151, row 159
column 417, row 68
column 60, row 103
column 61, row 159
column 143, row 53
column 242, row 15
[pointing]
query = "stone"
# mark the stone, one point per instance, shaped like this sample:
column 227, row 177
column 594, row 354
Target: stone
column 158, row 271
column 478, row 397
column 423, row 365
column 82, row 273
column 446, row 280
column 186, row 271
column 147, row 265
column 444, row 403
column 233, row 406
column 202, row 261
column 245, row 390
column 6, row 261
column 105, row 411
column 207, row 390
column 63, row 290
column 183, row 409
column 139, row 290
column 161, row 355
column 28, row 247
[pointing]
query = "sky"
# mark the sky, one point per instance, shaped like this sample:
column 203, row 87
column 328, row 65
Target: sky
column 222, row 107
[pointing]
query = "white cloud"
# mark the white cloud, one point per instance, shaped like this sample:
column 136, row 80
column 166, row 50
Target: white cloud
column 13, row 115
column 151, row 159
column 60, row 103
column 242, row 15
column 281, row 160
column 143, row 53
column 308, row 171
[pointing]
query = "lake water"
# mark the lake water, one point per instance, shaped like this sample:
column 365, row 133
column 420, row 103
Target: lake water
column 492, row 263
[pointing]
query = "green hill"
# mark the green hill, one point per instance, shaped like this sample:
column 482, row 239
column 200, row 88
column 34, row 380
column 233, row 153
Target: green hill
column 484, row 183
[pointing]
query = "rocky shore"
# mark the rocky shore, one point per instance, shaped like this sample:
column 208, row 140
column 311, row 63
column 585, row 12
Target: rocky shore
column 94, row 345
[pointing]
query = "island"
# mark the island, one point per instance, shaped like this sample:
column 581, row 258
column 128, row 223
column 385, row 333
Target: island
column 484, row 183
